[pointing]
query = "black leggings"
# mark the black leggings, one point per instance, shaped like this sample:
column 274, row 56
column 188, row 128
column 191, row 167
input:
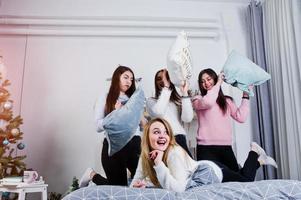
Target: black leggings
column 220, row 153
column 245, row 174
column 116, row 166
column 181, row 140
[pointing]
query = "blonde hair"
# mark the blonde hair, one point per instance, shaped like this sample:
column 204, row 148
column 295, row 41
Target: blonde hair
column 148, row 164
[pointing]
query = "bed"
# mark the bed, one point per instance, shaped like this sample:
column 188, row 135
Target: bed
column 267, row 189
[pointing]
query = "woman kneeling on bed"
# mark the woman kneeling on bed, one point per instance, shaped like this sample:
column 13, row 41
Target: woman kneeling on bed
column 165, row 164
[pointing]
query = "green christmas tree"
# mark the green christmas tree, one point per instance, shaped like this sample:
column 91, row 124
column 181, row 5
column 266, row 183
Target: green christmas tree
column 74, row 186
column 11, row 164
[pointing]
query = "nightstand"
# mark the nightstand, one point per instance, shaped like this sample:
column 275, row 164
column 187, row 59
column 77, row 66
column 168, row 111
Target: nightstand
column 22, row 189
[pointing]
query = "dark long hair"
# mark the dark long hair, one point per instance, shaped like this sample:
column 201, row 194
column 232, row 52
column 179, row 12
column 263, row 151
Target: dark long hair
column 115, row 88
column 221, row 99
column 174, row 97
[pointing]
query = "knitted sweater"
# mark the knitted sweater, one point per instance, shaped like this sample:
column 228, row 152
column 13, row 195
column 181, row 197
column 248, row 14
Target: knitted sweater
column 176, row 175
column 215, row 127
column 168, row 110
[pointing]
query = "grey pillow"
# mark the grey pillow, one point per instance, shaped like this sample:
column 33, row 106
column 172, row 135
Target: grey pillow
column 203, row 175
column 121, row 124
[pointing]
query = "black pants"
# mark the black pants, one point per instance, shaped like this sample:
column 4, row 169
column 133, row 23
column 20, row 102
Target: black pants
column 116, row 166
column 181, row 140
column 220, row 153
column 245, row 174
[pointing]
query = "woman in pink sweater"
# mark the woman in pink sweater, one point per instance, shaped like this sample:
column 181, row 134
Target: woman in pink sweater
column 214, row 112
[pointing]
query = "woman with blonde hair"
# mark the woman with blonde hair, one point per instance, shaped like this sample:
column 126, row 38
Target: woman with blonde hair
column 165, row 164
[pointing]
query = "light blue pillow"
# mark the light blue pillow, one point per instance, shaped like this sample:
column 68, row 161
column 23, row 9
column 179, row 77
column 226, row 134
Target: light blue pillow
column 241, row 72
column 203, row 175
column 121, row 124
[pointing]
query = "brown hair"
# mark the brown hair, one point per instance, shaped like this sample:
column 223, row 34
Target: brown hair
column 174, row 97
column 148, row 164
column 115, row 88
column 221, row 99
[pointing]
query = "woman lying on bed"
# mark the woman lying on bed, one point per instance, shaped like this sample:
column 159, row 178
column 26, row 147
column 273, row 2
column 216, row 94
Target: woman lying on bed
column 165, row 164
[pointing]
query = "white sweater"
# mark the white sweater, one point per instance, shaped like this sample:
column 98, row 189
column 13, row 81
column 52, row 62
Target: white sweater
column 176, row 175
column 166, row 109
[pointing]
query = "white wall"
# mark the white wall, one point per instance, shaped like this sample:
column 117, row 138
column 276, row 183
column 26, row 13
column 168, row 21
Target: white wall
column 59, row 54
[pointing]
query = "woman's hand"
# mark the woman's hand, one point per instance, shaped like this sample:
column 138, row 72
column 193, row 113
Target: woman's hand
column 143, row 121
column 221, row 78
column 164, row 78
column 156, row 156
column 184, row 88
column 139, row 184
column 245, row 95
column 118, row 105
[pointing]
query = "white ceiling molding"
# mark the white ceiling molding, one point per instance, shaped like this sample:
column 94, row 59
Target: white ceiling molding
column 221, row 1
column 110, row 26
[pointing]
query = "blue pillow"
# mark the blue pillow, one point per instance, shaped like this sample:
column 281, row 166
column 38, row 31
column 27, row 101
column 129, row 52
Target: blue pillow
column 241, row 72
column 121, row 124
column 203, row 175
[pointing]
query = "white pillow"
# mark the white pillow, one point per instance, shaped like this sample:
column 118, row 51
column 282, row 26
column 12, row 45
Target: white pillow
column 179, row 60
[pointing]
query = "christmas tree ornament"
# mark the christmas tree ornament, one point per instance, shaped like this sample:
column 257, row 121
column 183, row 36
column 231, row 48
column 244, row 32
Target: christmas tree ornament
column 15, row 132
column 3, row 124
column 5, row 142
column 21, row 146
column 7, row 105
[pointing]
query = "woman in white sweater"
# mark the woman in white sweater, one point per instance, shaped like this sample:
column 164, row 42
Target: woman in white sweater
column 165, row 164
column 115, row 166
column 172, row 107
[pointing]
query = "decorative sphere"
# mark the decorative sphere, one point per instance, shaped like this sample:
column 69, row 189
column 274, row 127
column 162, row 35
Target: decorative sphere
column 21, row 146
column 8, row 105
column 15, row 132
column 5, row 142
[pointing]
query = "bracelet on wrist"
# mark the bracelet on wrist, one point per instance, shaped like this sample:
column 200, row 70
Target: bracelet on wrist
column 185, row 96
column 246, row 97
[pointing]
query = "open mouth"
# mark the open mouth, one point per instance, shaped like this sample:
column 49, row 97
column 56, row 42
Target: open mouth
column 161, row 142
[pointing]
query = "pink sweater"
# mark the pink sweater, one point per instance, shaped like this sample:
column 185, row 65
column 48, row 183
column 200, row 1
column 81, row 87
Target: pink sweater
column 214, row 127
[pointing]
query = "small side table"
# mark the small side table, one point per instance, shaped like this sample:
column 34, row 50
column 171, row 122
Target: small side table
column 22, row 189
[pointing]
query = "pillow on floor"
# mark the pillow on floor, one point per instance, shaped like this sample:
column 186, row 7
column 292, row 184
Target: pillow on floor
column 179, row 60
column 121, row 124
column 241, row 72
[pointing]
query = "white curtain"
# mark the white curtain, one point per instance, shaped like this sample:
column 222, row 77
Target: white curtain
column 282, row 33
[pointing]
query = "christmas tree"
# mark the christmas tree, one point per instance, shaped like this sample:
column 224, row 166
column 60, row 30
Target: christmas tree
column 74, row 186
column 10, row 135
